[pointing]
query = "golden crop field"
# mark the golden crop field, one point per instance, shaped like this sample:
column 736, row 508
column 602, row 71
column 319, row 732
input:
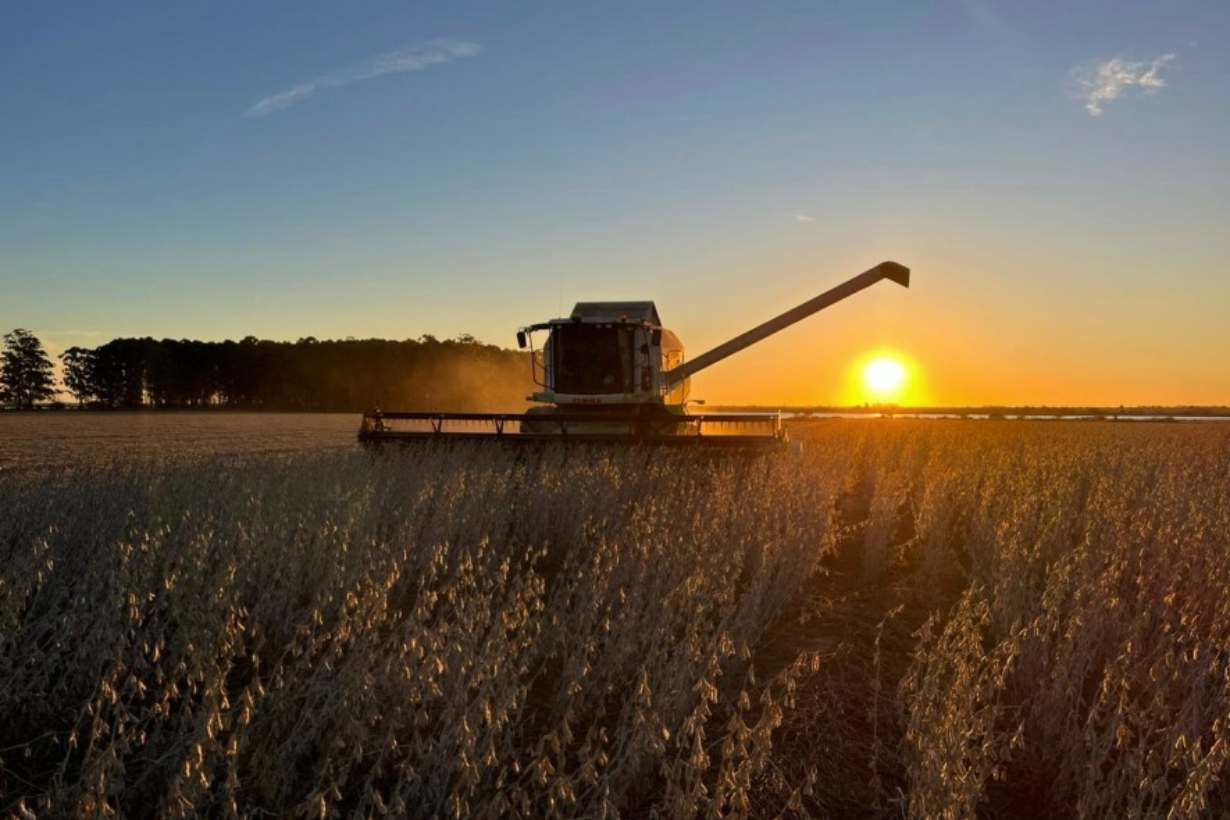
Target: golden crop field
column 56, row 440
column 911, row 619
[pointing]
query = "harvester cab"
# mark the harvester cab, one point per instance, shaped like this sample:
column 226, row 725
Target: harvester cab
column 606, row 353
column 611, row 372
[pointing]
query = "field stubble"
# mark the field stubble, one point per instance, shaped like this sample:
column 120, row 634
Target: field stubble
column 920, row 619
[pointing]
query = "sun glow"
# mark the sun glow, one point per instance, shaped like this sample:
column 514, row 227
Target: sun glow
column 884, row 379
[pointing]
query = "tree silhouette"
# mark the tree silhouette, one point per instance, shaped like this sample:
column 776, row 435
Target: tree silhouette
column 25, row 371
column 79, row 374
column 313, row 375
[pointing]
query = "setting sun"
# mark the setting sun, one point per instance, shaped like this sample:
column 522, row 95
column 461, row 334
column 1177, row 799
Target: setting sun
column 884, row 379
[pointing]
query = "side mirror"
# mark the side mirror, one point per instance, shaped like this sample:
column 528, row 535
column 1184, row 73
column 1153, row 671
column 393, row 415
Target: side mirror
column 522, row 340
column 655, row 337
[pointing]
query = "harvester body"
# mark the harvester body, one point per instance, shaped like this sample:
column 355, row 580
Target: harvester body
column 611, row 372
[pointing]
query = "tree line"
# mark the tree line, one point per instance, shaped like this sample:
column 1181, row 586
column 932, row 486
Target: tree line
column 351, row 375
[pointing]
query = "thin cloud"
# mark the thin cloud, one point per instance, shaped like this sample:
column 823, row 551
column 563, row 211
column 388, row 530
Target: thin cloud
column 87, row 334
column 414, row 58
column 1100, row 83
column 803, row 218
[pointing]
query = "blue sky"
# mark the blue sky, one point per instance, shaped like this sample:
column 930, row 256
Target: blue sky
column 1056, row 174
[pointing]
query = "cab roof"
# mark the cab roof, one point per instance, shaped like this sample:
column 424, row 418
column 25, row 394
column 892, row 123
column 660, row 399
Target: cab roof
column 616, row 311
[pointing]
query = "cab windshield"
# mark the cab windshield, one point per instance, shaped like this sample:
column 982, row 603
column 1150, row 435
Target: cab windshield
column 592, row 359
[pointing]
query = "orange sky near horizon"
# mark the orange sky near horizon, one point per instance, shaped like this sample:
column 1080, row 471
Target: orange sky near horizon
column 1021, row 338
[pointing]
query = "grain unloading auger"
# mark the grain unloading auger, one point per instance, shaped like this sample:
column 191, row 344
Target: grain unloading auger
column 611, row 373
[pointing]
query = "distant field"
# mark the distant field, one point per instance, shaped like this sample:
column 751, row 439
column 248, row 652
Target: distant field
column 72, row 438
column 919, row 619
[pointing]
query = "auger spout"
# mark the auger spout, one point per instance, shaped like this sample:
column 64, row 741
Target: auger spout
column 885, row 270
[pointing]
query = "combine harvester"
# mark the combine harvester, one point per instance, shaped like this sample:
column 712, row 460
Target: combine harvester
column 612, row 373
